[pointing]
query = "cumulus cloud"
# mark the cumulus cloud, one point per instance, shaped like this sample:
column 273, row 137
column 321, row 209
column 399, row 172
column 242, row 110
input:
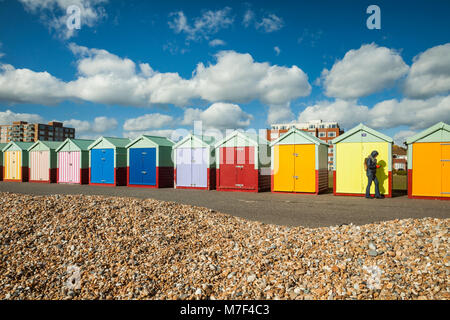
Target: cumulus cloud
column 8, row 116
column 280, row 113
column 209, row 23
column 106, row 78
column 416, row 114
column 91, row 129
column 53, row 13
column 216, row 43
column 26, row 86
column 148, row 121
column 219, row 116
column 401, row 136
column 364, row 71
column 429, row 74
column 347, row 113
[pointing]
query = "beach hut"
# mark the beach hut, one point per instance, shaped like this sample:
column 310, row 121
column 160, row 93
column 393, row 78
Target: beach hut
column 195, row 167
column 299, row 163
column 350, row 150
column 43, row 161
column 150, row 162
column 242, row 163
column 429, row 163
column 73, row 161
column 108, row 161
column 15, row 161
column 2, row 145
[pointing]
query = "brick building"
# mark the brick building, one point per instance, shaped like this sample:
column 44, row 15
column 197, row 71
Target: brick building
column 399, row 158
column 31, row 132
column 324, row 130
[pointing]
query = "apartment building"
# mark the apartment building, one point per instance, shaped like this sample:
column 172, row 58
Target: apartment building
column 399, row 158
column 324, row 130
column 31, row 132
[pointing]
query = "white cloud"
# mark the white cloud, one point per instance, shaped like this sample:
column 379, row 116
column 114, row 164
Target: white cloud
column 1, row 53
column 90, row 129
column 219, row 116
column 364, row 71
column 8, row 116
column 106, row 78
column 416, row 114
column 401, row 136
column 216, row 42
column 429, row 74
column 26, row 86
column 270, row 23
column 280, row 113
column 53, row 13
column 148, row 121
column 277, row 50
column 346, row 113
column 210, row 22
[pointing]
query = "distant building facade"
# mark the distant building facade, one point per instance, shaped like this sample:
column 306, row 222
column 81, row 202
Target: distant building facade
column 324, row 130
column 399, row 158
column 31, row 132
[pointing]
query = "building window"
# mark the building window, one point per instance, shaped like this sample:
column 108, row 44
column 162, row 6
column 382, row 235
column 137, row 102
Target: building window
column 330, row 159
column 322, row 134
column 332, row 134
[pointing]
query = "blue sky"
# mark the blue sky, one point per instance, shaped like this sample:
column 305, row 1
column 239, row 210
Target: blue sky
column 133, row 67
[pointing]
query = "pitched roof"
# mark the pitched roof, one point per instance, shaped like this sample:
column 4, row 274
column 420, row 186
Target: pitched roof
column 160, row 141
column 204, row 139
column 116, row 142
column 21, row 145
column 83, row 144
column 427, row 132
column 362, row 127
column 304, row 134
column 256, row 139
column 52, row 145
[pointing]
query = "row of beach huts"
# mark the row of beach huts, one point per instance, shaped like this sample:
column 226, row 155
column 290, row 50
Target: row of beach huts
column 294, row 163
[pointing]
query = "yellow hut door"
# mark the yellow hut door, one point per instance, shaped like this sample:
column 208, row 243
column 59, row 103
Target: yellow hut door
column 13, row 167
column 382, row 160
column 350, row 168
column 304, row 168
column 284, row 168
column 445, row 163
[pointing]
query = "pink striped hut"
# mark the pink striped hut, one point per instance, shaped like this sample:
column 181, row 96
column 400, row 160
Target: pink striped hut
column 73, row 161
column 42, row 161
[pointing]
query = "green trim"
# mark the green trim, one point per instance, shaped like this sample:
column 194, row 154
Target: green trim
column 205, row 141
column 427, row 132
column 79, row 144
column 359, row 128
column 156, row 141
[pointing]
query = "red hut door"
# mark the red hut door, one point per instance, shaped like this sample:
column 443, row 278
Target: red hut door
column 237, row 168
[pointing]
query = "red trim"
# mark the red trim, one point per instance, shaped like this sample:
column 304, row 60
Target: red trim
column 1, row 173
column 195, row 188
column 272, row 180
column 429, row 198
column 410, row 184
column 389, row 195
column 334, row 182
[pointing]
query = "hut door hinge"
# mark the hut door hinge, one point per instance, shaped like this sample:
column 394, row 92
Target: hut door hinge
column 445, row 160
column 239, row 185
column 240, row 167
column 445, row 192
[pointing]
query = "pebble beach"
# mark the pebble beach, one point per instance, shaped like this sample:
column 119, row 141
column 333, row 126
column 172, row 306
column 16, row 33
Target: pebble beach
column 95, row 247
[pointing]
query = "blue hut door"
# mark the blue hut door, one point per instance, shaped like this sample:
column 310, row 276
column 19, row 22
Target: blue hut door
column 102, row 166
column 199, row 167
column 143, row 166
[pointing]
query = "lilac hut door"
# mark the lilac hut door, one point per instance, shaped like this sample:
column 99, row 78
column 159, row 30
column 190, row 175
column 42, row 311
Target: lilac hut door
column 199, row 167
column 183, row 165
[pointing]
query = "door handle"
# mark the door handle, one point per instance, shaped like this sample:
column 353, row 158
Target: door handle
column 144, row 172
column 103, row 159
column 295, row 177
column 240, row 167
column 295, row 154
